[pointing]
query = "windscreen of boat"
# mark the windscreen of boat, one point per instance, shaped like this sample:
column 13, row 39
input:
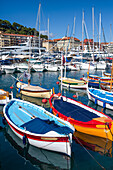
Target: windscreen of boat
column 74, row 111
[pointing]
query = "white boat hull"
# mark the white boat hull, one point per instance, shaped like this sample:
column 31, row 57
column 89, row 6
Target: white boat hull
column 99, row 102
column 52, row 146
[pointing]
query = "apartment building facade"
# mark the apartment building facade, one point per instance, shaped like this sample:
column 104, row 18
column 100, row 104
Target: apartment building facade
column 61, row 44
column 16, row 39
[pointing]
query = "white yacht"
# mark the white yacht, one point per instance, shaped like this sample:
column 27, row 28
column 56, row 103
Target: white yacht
column 51, row 67
column 9, row 69
column 23, row 49
column 38, row 66
column 21, row 67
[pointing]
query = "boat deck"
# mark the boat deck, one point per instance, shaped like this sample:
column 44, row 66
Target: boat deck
column 25, row 86
column 34, row 119
column 76, row 112
column 70, row 80
column 34, row 88
column 100, row 93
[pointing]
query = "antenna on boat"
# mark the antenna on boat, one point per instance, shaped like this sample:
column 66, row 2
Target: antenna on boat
column 93, row 29
column 29, row 76
column 39, row 28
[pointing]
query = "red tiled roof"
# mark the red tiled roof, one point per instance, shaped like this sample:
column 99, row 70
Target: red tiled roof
column 66, row 38
column 18, row 35
column 104, row 43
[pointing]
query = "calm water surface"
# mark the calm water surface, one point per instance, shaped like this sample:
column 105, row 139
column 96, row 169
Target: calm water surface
column 89, row 153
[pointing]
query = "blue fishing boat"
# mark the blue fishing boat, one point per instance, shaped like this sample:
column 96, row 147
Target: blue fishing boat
column 93, row 83
column 39, row 127
column 101, row 97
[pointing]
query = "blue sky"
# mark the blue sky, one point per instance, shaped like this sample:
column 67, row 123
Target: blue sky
column 60, row 14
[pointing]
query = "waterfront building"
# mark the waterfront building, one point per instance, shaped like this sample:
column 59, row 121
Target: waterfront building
column 16, row 44
column 62, row 44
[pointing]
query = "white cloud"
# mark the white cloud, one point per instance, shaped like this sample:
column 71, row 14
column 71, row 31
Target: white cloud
column 46, row 33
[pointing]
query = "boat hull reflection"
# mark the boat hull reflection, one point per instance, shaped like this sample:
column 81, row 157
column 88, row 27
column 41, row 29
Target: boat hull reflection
column 38, row 157
column 97, row 144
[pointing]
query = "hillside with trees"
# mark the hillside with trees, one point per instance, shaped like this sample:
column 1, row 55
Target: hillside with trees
column 16, row 28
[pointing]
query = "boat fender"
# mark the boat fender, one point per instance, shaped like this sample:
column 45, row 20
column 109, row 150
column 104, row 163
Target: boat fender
column 50, row 110
column 57, row 114
column 104, row 104
column 95, row 101
column 24, row 139
column 19, row 90
column 57, row 82
column 4, row 120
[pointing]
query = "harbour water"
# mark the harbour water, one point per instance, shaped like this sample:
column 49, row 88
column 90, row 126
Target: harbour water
column 88, row 153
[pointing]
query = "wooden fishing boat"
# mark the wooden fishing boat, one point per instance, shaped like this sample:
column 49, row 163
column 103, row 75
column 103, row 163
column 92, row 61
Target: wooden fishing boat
column 102, row 81
column 106, row 87
column 94, row 77
column 73, row 83
column 45, row 158
column 94, row 143
column 95, row 80
column 93, row 83
column 101, row 97
column 106, row 74
column 39, row 127
column 32, row 90
column 5, row 96
column 83, row 118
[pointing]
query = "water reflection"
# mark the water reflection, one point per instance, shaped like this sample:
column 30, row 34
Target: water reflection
column 34, row 100
column 101, row 145
column 38, row 157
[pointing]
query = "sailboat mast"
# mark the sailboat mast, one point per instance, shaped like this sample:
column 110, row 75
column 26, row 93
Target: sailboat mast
column 66, row 51
column 111, row 75
column 61, row 70
column 93, row 30
column 39, row 28
column 48, row 34
column 82, row 33
column 99, row 33
column 29, row 76
column 74, row 31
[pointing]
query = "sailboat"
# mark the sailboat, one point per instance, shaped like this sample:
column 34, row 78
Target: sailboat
column 108, row 86
column 29, row 89
column 71, row 83
column 32, row 90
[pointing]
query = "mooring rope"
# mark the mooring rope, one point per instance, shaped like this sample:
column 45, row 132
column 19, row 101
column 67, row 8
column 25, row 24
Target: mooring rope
column 89, row 153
